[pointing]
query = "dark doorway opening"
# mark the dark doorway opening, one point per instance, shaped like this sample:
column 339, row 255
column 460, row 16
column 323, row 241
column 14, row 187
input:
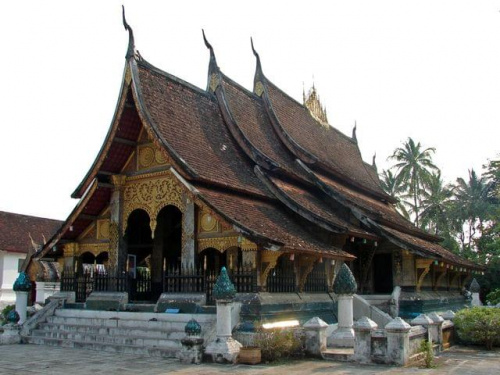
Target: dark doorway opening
column 382, row 273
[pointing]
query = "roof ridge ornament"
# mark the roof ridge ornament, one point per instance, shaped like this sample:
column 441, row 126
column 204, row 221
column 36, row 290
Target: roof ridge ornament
column 354, row 138
column 258, row 87
column 131, row 43
column 213, row 69
column 213, row 60
column 374, row 165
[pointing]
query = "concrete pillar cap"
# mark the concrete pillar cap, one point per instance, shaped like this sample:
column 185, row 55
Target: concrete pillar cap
column 364, row 324
column 315, row 323
column 435, row 317
column 448, row 315
column 397, row 325
column 422, row 320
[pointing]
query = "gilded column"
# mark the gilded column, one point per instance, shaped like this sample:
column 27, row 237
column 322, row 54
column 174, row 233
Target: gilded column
column 188, row 226
column 117, row 251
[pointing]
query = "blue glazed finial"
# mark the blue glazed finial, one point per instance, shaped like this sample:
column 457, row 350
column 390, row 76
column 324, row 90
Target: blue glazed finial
column 192, row 328
column 23, row 283
column 224, row 288
column 345, row 282
column 13, row 317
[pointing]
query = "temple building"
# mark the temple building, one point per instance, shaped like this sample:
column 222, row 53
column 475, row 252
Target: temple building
column 20, row 237
column 189, row 180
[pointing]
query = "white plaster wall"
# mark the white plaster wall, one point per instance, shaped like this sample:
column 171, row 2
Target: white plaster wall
column 9, row 263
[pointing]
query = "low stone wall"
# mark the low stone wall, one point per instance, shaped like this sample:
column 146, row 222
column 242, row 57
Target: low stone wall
column 399, row 343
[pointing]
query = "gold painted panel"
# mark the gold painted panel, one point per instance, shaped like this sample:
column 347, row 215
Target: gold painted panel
column 103, row 229
column 151, row 192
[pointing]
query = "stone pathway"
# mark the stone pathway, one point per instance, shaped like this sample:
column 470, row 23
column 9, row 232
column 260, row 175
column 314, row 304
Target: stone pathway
column 34, row 359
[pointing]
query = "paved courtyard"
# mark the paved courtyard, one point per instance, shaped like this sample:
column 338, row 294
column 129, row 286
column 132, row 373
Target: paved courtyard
column 33, row 359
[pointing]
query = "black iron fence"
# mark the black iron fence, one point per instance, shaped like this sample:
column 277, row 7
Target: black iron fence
column 140, row 288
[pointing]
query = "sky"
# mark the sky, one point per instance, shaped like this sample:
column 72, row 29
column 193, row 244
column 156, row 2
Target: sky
column 429, row 70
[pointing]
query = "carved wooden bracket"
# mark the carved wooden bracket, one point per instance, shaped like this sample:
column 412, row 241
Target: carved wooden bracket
column 306, row 265
column 439, row 278
column 424, row 265
column 268, row 261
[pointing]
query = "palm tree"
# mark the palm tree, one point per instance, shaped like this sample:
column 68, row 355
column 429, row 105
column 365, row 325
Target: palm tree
column 472, row 205
column 435, row 204
column 392, row 186
column 414, row 166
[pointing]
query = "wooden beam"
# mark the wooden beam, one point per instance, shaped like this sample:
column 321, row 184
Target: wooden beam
column 124, row 141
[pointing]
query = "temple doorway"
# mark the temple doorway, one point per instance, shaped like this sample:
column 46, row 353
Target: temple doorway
column 382, row 273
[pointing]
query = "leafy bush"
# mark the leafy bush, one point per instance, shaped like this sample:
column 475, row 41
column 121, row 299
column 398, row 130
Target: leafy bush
column 426, row 348
column 5, row 311
column 479, row 325
column 493, row 297
column 276, row 344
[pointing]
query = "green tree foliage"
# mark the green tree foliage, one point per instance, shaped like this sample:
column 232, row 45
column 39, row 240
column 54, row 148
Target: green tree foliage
column 465, row 214
column 479, row 325
column 395, row 189
column 414, row 166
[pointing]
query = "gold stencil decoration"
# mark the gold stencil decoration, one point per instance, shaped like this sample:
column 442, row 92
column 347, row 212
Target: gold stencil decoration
column 214, row 82
column 151, row 195
column 160, row 158
column 146, row 157
column 150, row 156
column 259, row 88
column 113, row 244
column 95, row 248
column 70, row 249
column 219, row 243
column 208, row 223
column 103, row 229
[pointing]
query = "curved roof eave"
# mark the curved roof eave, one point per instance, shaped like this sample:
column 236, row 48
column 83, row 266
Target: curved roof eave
column 122, row 97
column 87, row 195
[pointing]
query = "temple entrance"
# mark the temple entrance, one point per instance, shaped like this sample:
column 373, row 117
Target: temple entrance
column 167, row 247
column 139, row 250
column 382, row 273
column 149, row 257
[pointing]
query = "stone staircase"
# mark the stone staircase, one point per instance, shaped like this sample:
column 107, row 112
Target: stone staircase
column 152, row 334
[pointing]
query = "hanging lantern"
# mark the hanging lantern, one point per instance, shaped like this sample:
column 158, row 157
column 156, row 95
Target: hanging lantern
column 292, row 257
column 375, row 244
column 364, row 240
column 435, row 262
column 332, row 262
column 352, row 239
column 321, row 259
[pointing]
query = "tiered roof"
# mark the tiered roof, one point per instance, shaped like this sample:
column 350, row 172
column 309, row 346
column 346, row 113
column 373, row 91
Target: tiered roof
column 259, row 159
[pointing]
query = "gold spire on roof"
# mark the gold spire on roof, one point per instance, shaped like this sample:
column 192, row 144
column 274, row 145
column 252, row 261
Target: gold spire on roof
column 313, row 104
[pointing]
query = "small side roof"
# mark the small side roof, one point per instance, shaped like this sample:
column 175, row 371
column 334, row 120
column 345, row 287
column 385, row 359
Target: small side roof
column 18, row 231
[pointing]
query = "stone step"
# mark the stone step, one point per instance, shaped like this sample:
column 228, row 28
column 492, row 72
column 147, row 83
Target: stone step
column 118, row 323
column 97, row 330
column 139, row 341
column 106, row 347
column 124, row 315
column 338, row 354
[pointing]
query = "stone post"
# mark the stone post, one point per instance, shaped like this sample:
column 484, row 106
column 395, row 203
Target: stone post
column 192, row 344
column 437, row 329
column 344, row 286
column 22, row 286
column 315, row 330
column 11, row 330
column 363, row 329
column 426, row 322
column 475, row 289
column 398, row 341
column 224, row 348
